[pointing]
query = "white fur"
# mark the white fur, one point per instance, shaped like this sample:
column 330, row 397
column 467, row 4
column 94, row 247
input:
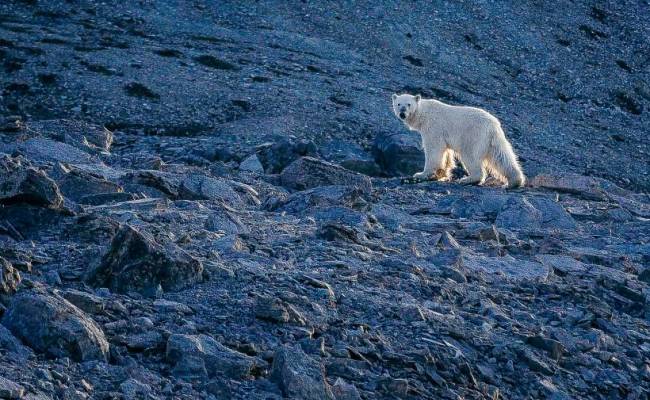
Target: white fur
column 473, row 135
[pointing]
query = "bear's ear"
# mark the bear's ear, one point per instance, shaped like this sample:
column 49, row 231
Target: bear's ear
column 418, row 98
column 394, row 96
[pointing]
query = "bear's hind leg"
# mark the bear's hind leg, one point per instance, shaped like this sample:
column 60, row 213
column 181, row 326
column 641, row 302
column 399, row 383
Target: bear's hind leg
column 447, row 164
column 476, row 174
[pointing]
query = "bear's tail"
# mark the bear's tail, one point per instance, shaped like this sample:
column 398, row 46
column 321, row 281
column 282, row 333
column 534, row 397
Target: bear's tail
column 504, row 159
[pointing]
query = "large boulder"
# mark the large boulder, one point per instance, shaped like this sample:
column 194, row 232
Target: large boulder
column 522, row 213
column 201, row 356
column 135, row 262
column 50, row 324
column 77, row 184
column 20, row 183
column 276, row 156
column 399, row 154
column 10, row 344
column 350, row 156
column 309, row 172
column 299, row 376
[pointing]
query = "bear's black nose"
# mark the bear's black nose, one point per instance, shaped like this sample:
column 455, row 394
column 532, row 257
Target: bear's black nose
column 402, row 115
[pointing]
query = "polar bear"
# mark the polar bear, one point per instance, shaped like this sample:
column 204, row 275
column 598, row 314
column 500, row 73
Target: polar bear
column 470, row 134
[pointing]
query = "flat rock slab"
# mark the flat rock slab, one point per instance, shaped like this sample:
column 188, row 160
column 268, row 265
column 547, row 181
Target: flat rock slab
column 508, row 267
column 309, row 172
column 135, row 262
column 76, row 133
column 587, row 187
column 52, row 325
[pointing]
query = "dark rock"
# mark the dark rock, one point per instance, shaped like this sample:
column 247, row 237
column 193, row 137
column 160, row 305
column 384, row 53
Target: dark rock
column 308, row 172
column 299, row 376
column 133, row 389
column 350, row 156
column 399, row 154
column 193, row 355
column 23, row 184
column 50, row 324
column 135, row 262
column 276, row 156
column 10, row 344
column 534, row 213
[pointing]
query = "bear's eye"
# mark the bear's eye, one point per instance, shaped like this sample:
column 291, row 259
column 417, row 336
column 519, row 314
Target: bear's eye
column 398, row 105
column 408, row 105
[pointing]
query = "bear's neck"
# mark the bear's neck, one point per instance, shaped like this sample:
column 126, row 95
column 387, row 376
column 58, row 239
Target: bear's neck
column 413, row 121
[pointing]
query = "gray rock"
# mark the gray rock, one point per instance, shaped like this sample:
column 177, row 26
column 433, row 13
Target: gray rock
column 20, row 183
column 77, row 184
column 226, row 221
column 87, row 302
column 200, row 187
column 350, row 156
column 10, row 344
column 50, row 324
column 133, row 389
column 532, row 214
column 308, row 172
column 191, row 355
column 10, row 389
column 9, row 279
column 587, row 187
column 299, row 376
column 399, row 154
column 322, row 197
column 76, row 133
column 136, row 262
column 271, row 309
column 507, row 267
column 42, row 150
column 345, row 391
column 252, row 164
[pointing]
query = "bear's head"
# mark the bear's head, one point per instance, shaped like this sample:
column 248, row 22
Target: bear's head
column 404, row 105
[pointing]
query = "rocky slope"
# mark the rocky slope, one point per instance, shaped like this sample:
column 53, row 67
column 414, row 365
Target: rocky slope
column 202, row 200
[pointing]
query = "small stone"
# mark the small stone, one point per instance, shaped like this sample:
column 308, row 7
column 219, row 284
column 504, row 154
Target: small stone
column 271, row 309
column 87, row 302
column 252, row 164
column 299, row 376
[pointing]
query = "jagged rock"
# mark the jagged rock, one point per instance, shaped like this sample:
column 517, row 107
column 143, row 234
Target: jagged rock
column 507, row 267
column 10, row 344
column 198, row 355
column 276, row 156
column 132, row 389
column 200, row 187
column 136, row 262
column 77, row 184
column 299, row 376
column 9, row 279
column 308, row 172
column 345, row 391
column 271, row 309
column 87, row 302
column 533, row 213
column 399, row 154
column 224, row 220
column 76, row 133
column 252, row 164
column 321, row 197
column 587, row 187
column 10, row 390
column 50, row 324
column 20, row 183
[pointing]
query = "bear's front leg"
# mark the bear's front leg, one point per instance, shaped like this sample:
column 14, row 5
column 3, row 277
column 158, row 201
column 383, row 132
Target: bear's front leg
column 434, row 150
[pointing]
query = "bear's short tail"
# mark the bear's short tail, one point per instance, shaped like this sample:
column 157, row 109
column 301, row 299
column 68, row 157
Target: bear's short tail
column 504, row 159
